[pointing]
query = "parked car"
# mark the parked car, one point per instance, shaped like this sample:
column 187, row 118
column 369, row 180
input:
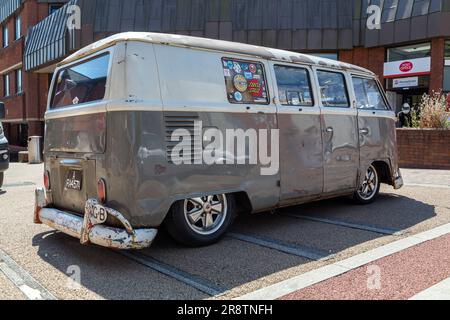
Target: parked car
column 117, row 108
column 4, row 153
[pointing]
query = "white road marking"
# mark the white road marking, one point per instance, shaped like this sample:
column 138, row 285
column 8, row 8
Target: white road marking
column 426, row 185
column 31, row 288
column 441, row 291
column 308, row 279
column 347, row 224
column 175, row 273
column 289, row 248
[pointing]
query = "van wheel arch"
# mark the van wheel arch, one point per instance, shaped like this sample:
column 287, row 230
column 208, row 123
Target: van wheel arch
column 384, row 171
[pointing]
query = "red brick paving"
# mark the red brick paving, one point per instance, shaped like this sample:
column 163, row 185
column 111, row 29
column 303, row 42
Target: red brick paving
column 403, row 275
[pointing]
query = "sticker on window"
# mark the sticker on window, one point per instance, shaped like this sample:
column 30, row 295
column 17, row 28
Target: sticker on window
column 245, row 82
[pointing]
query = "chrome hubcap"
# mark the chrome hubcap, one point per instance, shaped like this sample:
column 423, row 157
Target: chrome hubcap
column 369, row 187
column 205, row 215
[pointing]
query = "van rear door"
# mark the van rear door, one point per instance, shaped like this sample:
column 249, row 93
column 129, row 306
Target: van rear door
column 76, row 130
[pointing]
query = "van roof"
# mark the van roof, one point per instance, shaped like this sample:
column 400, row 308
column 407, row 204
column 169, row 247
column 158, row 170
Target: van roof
column 215, row 45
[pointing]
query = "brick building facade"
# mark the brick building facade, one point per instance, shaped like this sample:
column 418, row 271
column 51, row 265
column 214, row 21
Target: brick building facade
column 24, row 93
column 411, row 30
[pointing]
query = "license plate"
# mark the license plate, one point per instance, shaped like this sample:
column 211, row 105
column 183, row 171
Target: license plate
column 73, row 181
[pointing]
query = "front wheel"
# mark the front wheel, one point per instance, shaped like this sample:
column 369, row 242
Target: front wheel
column 201, row 221
column 370, row 188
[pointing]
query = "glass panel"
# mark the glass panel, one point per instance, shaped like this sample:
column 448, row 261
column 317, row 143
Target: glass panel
column 368, row 94
column 389, row 10
column 447, row 50
column 435, row 6
column 404, row 9
column 333, row 90
column 415, row 51
column 447, row 79
column 294, row 86
column 81, row 83
column 332, row 56
column 420, row 7
column 245, row 82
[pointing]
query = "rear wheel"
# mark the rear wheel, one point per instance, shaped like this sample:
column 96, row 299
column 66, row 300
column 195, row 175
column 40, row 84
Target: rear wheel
column 370, row 188
column 201, row 221
column 1, row 179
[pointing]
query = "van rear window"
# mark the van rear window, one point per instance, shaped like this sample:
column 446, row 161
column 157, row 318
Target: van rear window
column 245, row 81
column 81, row 83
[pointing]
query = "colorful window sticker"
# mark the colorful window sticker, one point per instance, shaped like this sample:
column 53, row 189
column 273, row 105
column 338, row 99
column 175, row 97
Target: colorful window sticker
column 245, row 82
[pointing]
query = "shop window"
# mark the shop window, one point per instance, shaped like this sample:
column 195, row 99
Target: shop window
column 245, row 82
column 368, row 94
column 446, row 86
column 421, row 50
column 294, row 86
column 435, row 6
column 52, row 8
column 333, row 89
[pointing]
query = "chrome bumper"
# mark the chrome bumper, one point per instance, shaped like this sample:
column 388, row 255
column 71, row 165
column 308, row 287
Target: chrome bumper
column 90, row 229
column 398, row 180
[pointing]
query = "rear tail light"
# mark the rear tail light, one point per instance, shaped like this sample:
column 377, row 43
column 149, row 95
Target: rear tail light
column 47, row 180
column 101, row 190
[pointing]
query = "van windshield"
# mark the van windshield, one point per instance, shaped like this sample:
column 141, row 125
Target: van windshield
column 81, row 83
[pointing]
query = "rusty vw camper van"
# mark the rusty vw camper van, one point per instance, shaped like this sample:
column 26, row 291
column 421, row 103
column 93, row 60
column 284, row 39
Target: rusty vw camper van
column 117, row 108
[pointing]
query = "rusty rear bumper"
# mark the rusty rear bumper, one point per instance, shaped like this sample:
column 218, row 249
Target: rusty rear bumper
column 90, row 228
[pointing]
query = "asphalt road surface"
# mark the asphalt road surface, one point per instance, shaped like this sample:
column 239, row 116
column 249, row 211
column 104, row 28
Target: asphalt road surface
column 262, row 250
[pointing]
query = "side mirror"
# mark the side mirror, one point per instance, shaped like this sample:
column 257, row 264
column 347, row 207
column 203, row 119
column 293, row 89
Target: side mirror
column 406, row 108
column 2, row 111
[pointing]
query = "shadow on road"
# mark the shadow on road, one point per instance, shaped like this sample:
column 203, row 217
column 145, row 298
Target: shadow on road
column 231, row 262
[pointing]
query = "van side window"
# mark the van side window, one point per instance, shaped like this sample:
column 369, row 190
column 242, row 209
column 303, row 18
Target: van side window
column 368, row 95
column 245, row 82
column 294, row 86
column 81, row 83
column 333, row 89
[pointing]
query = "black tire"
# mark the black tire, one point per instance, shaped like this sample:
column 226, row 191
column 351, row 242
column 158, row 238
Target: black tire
column 1, row 179
column 178, row 227
column 359, row 199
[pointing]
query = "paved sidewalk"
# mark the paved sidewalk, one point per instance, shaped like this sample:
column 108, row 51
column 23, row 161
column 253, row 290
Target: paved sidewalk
column 426, row 177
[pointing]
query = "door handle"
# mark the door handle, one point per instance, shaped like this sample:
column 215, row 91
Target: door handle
column 364, row 131
column 329, row 130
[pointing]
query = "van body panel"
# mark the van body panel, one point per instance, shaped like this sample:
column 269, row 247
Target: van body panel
column 340, row 149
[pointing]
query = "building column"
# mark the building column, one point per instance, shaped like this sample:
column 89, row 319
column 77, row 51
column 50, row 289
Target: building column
column 437, row 64
column 35, row 128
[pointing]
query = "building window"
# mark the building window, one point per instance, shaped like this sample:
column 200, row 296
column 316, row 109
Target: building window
column 19, row 87
column 5, row 36
column 435, row 6
column 404, row 9
column 389, row 10
column 6, row 91
column 420, row 7
column 52, row 8
column 18, row 28
column 421, row 50
column 332, row 55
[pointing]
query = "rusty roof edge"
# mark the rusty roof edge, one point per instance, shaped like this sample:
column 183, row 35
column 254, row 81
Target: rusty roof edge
column 213, row 45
